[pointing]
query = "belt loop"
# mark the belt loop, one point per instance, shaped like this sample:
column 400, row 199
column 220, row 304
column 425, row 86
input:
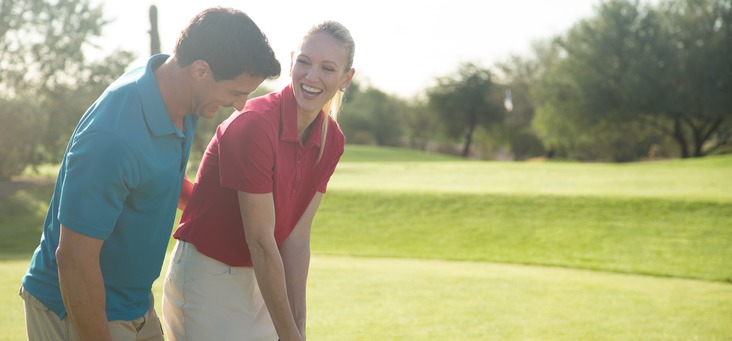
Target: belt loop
column 232, row 270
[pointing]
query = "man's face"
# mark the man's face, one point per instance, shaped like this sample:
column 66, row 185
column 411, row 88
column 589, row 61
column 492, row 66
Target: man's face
column 210, row 95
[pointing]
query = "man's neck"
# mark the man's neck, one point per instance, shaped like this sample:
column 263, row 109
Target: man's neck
column 174, row 88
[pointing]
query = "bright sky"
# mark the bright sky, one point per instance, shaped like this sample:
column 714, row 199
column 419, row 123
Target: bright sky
column 401, row 46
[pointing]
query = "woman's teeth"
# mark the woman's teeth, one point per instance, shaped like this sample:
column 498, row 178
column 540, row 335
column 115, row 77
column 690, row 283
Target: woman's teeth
column 310, row 90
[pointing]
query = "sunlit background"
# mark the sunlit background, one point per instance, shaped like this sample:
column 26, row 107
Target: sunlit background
column 580, row 191
column 401, row 46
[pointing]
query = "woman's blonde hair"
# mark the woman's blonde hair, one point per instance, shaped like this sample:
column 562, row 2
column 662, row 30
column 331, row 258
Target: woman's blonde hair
column 333, row 106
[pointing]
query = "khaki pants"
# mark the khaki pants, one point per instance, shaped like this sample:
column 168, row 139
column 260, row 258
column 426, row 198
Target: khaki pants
column 42, row 324
column 204, row 299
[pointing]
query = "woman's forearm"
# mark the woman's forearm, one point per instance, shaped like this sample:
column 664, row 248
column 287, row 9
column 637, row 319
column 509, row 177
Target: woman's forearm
column 258, row 218
column 295, row 251
column 270, row 275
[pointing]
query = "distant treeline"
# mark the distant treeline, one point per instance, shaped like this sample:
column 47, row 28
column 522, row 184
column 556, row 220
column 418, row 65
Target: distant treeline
column 634, row 81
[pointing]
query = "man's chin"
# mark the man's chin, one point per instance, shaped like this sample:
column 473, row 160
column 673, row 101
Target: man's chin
column 208, row 114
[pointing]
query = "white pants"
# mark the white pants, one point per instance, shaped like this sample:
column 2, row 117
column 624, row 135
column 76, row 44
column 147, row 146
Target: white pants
column 204, row 299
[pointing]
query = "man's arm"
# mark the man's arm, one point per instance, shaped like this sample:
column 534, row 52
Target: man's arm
column 82, row 285
column 185, row 193
column 258, row 217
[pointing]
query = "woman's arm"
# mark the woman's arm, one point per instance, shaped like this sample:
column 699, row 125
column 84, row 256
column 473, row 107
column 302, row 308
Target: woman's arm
column 258, row 217
column 295, row 253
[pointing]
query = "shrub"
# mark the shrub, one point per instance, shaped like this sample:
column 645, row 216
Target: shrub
column 23, row 126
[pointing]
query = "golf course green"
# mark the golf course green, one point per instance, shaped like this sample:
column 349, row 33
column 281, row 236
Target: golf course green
column 417, row 246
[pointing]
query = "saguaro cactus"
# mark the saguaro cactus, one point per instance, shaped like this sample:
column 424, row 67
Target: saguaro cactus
column 154, row 35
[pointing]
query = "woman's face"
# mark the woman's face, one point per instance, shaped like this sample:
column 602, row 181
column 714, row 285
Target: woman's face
column 318, row 71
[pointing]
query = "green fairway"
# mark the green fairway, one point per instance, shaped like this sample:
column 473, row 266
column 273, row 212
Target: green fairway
column 645, row 236
column 358, row 153
column 384, row 299
column 707, row 180
column 416, row 246
column 387, row 299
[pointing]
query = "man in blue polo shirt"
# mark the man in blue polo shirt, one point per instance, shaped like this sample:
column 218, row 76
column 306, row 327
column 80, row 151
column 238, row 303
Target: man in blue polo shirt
column 113, row 208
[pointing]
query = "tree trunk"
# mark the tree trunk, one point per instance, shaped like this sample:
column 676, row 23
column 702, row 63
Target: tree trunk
column 678, row 135
column 468, row 139
column 698, row 147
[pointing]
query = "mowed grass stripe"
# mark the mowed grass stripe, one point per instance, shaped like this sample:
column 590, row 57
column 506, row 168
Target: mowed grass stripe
column 537, row 179
column 698, row 180
column 635, row 235
column 405, row 299
column 387, row 299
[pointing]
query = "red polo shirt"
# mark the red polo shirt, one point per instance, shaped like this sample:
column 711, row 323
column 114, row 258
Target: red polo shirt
column 257, row 151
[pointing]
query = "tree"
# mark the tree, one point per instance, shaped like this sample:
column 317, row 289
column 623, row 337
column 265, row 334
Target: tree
column 699, row 79
column 372, row 116
column 465, row 101
column 19, row 139
column 42, row 43
column 43, row 61
column 420, row 126
column 66, row 104
column 519, row 75
column 666, row 67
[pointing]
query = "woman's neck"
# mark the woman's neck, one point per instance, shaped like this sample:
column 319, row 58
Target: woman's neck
column 304, row 120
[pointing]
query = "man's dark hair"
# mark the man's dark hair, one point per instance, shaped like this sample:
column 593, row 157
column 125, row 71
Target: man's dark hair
column 230, row 42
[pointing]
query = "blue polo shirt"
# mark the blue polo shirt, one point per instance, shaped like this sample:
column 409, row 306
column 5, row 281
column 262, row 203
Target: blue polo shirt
column 119, row 181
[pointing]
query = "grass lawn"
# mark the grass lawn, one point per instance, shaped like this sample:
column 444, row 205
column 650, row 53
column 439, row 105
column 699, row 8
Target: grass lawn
column 412, row 246
column 706, row 179
column 687, row 239
column 407, row 299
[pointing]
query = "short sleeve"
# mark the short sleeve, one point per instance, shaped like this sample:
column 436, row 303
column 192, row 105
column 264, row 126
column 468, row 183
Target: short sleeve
column 100, row 170
column 247, row 153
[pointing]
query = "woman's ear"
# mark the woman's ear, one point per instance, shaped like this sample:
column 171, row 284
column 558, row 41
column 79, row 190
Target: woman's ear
column 348, row 77
column 292, row 61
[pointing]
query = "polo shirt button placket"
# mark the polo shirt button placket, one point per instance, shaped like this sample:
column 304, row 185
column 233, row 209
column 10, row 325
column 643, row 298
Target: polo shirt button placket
column 298, row 173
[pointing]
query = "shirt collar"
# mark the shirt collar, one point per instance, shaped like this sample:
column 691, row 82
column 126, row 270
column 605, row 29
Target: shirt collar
column 153, row 108
column 288, row 115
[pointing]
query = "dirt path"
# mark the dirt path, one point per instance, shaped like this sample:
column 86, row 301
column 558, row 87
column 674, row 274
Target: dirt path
column 15, row 184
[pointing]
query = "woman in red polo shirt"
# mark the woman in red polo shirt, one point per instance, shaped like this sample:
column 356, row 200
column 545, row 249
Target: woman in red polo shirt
column 239, row 268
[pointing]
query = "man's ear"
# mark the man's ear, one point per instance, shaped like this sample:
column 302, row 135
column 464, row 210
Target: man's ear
column 200, row 69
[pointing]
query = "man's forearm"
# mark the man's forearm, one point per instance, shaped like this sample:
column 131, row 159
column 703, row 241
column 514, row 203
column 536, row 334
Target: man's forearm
column 82, row 285
column 83, row 294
